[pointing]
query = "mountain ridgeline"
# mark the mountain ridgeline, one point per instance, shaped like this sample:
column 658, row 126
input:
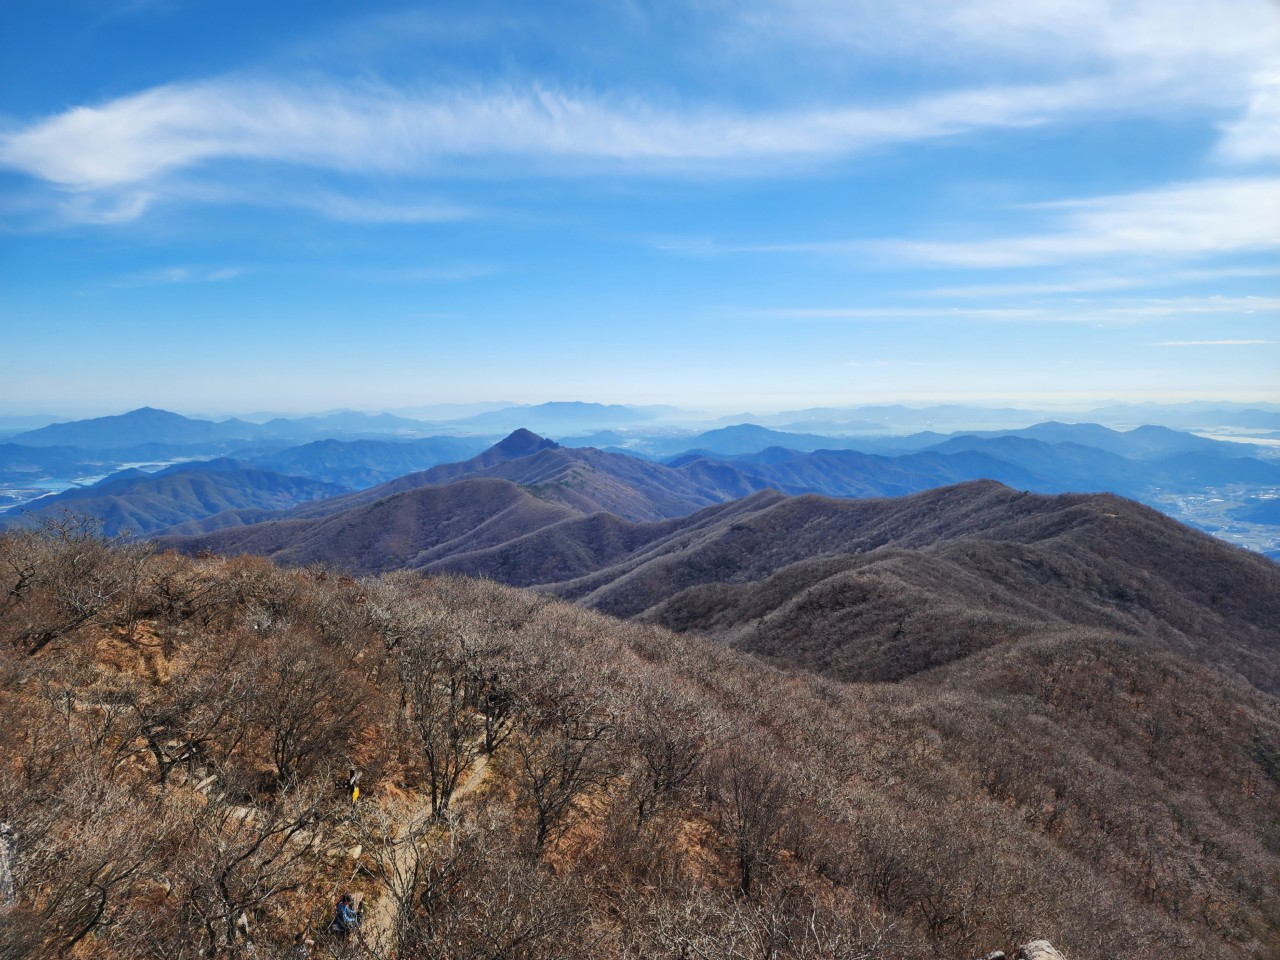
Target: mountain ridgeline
column 868, row 589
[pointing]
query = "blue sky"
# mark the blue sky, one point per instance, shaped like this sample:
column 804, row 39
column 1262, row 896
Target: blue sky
column 233, row 206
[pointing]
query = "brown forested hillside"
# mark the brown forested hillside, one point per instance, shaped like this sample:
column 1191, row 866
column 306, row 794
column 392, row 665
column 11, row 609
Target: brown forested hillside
column 866, row 589
column 538, row 780
column 583, row 480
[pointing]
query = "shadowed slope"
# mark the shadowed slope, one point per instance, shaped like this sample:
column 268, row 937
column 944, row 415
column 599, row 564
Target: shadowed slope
column 407, row 530
column 979, row 573
column 883, row 589
column 584, row 480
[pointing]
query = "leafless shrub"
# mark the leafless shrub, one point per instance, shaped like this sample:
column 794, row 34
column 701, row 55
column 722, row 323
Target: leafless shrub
column 56, row 579
column 238, row 859
column 748, row 789
column 560, row 752
column 307, row 706
column 667, row 736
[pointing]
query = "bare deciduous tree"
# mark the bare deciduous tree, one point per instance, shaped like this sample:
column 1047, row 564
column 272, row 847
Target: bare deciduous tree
column 198, row 717
column 239, row 857
column 307, row 705
column 437, row 697
column 56, row 579
column 750, row 798
column 668, row 735
column 559, row 753
column 82, row 855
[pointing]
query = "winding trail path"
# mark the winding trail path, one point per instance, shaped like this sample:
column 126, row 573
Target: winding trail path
column 381, row 918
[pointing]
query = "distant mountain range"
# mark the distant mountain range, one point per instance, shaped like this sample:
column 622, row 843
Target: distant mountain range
column 530, row 512
column 559, row 417
column 365, row 463
column 141, row 426
column 331, row 477
column 645, row 474
column 1140, row 443
column 899, row 418
column 148, row 425
column 663, row 425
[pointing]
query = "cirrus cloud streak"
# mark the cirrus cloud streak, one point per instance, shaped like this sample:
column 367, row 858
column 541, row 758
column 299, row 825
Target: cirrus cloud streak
column 380, row 129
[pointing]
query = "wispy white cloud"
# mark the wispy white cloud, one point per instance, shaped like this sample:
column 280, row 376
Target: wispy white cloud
column 107, row 207
column 1102, row 283
column 118, row 158
column 1191, row 306
column 1153, row 38
column 141, row 138
column 355, row 206
column 1255, row 137
column 1205, row 218
column 1062, row 311
column 356, row 209
column 1185, row 221
column 179, row 274
column 1214, row 343
column 114, row 161
column 1164, row 53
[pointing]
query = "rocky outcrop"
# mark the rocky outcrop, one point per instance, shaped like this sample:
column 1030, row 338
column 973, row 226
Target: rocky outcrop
column 1035, row 950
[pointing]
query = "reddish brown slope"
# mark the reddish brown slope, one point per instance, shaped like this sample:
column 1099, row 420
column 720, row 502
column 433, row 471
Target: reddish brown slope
column 407, row 530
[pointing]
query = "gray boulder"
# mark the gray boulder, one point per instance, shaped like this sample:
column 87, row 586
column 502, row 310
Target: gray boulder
column 1038, row 950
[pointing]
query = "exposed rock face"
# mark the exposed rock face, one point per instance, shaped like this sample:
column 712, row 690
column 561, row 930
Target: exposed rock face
column 1037, row 950
column 8, row 893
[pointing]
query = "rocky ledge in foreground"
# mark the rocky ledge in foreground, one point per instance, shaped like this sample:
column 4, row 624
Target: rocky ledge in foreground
column 1035, row 950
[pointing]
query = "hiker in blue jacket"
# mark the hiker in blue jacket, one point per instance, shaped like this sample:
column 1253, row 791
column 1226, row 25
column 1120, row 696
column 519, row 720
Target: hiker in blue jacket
column 345, row 917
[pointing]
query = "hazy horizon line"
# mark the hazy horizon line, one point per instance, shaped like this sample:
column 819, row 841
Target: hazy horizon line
column 1031, row 402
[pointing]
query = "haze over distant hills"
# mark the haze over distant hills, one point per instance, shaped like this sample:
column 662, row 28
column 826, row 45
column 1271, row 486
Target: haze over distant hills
column 135, row 428
column 1197, row 479
column 147, row 425
column 587, row 480
column 901, row 418
column 134, row 501
column 365, row 463
column 559, row 417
